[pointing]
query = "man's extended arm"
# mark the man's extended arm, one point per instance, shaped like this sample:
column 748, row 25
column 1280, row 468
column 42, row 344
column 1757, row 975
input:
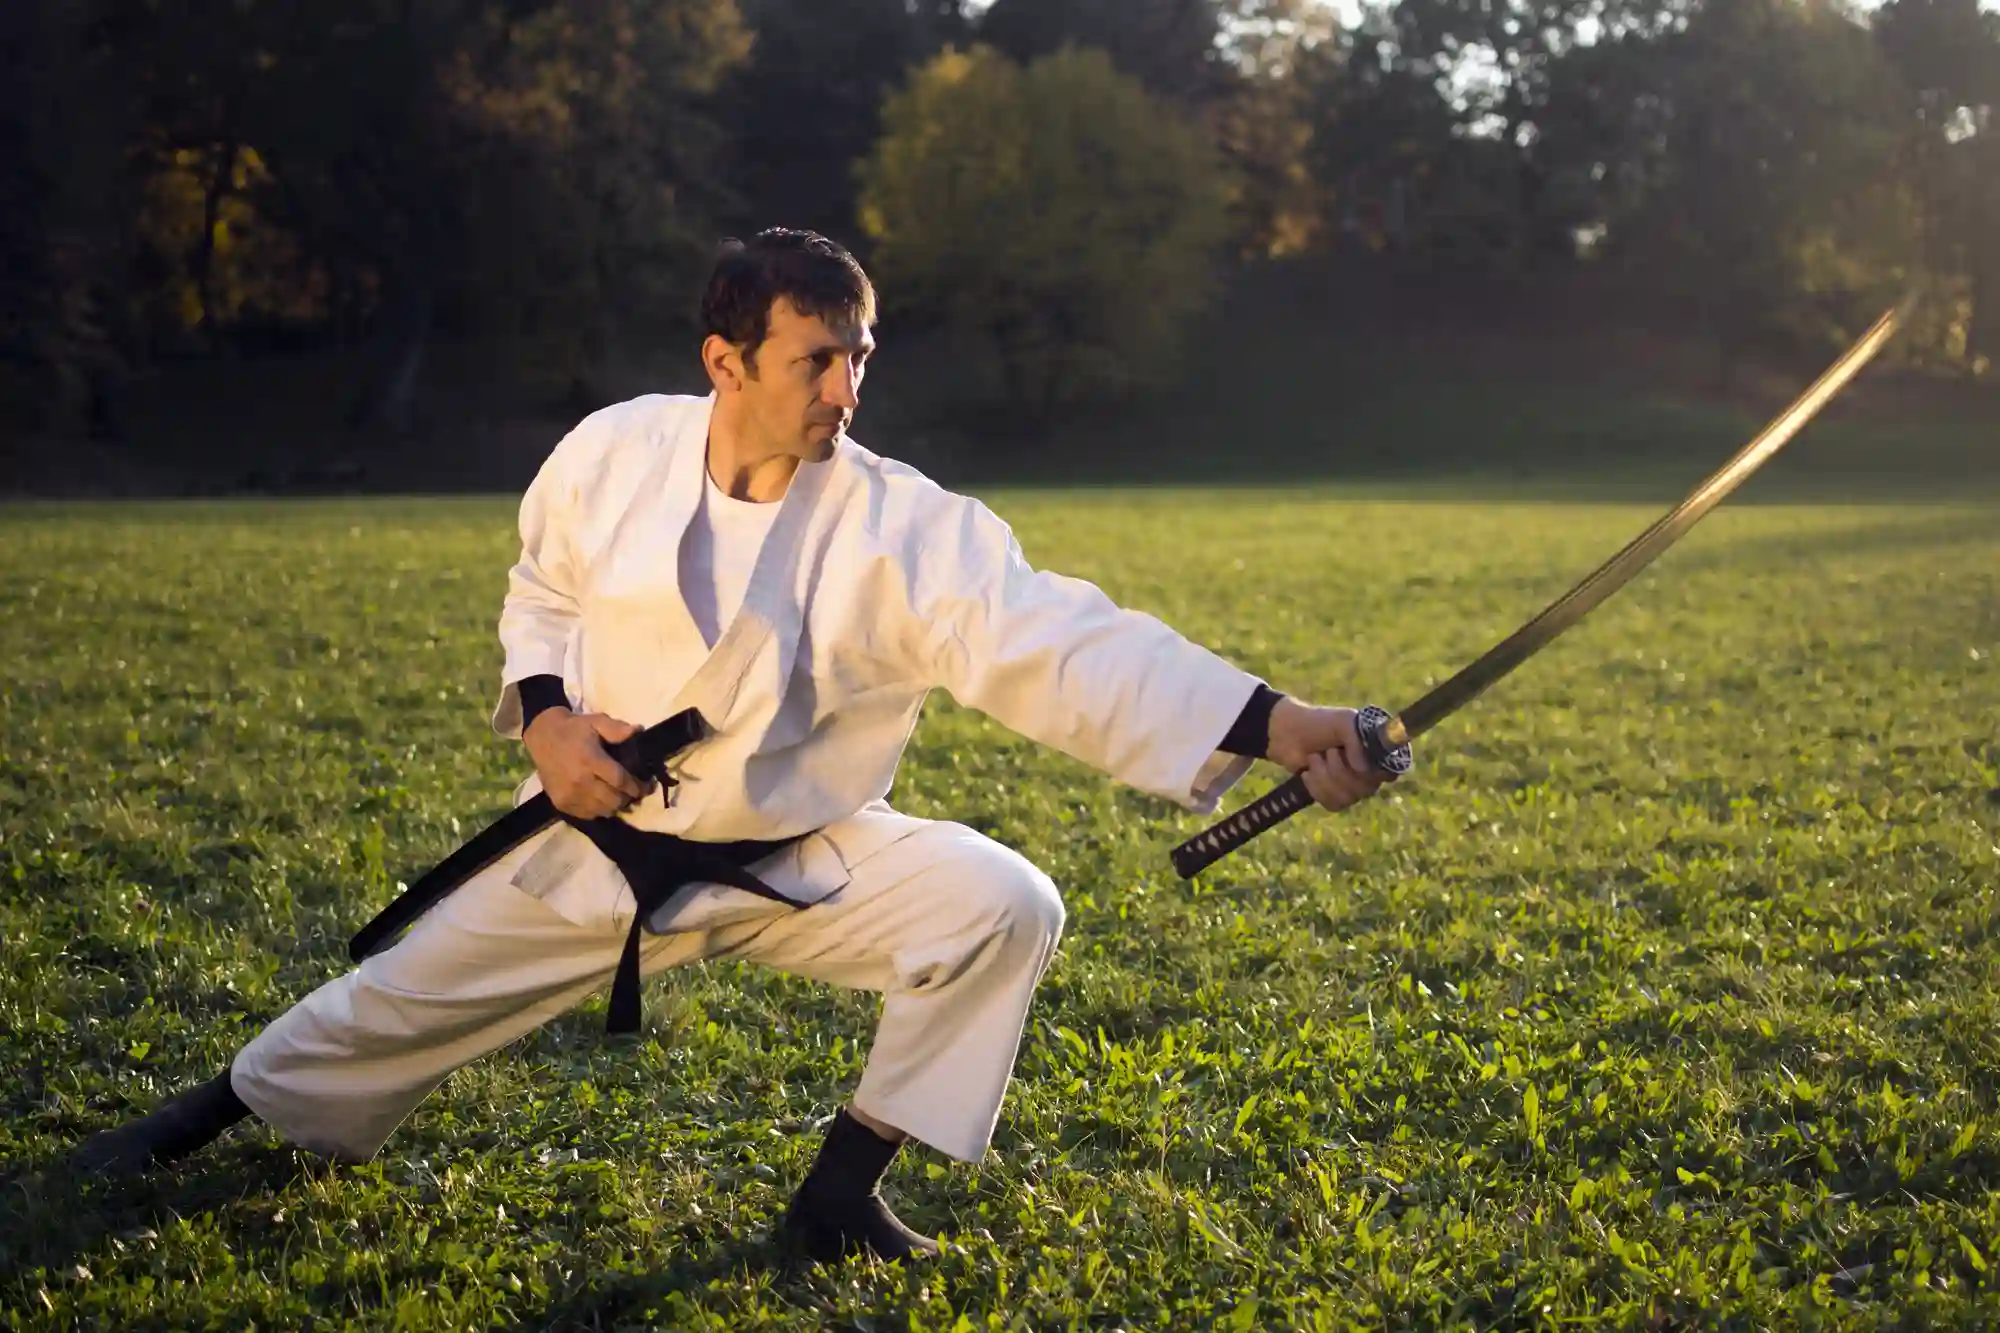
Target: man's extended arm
column 1250, row 736
column 1055, row 659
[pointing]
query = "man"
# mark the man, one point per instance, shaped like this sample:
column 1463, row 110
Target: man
column 739, row 554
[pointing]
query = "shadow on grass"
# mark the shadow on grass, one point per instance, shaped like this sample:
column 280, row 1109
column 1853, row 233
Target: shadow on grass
column 1920, row 533
column 646, row 1300
column 54, row 1220
column 53, row 1224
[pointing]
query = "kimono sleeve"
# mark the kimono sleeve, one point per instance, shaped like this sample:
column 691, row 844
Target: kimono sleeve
column 541, row 613
column 1055, row 659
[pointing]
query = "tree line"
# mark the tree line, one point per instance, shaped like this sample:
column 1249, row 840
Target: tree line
column 1059, row 182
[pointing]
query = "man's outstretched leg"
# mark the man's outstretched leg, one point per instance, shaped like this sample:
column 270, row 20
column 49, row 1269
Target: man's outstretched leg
column 955, row 930
column 338, row 1071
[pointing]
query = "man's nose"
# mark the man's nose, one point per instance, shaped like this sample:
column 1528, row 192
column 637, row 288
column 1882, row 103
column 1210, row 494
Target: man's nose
column 842, row 388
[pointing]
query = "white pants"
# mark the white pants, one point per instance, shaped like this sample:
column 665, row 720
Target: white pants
column 954, row 929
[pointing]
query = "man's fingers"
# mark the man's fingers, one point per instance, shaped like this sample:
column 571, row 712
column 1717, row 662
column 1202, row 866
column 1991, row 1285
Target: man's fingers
column 1331, row 782
column 592, row 798
column 614, row 775
column 620, row 797
column 1355, row 759
column 1326, row 784
column 1318, row 785
column 611, row 729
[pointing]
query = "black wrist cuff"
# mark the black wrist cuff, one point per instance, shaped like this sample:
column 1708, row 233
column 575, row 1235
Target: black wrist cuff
column 1251, row 733
column 539, row 694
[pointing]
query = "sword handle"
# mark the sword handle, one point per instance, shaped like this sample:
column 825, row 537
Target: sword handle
column 644, row 754
column 1379, row 731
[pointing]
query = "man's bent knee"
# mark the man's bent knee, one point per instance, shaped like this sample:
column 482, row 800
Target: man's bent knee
column 1017, row 899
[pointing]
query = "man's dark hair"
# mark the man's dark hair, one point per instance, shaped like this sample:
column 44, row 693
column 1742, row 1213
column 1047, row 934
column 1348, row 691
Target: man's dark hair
column 818, row 276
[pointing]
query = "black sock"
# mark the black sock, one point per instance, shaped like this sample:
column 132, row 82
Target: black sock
column 837, row 1211
column 851, row 1162
column 177, row 1128
column 228, row 1106
column 199, row 1118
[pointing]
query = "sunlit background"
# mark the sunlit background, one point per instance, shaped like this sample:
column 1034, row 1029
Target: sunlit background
column 392, row 247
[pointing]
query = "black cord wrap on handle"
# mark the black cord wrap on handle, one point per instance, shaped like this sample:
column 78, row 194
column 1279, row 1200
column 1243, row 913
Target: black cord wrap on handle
column 1287, row 799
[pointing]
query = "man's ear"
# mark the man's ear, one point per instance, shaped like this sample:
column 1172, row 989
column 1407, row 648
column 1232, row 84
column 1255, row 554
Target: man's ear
column 724, row 363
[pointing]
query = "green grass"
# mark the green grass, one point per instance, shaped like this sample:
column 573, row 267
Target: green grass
column 1662, row 994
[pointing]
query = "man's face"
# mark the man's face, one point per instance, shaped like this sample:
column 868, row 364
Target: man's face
column 805, row 384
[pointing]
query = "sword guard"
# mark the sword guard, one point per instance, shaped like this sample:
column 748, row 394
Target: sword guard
column 1377, row 726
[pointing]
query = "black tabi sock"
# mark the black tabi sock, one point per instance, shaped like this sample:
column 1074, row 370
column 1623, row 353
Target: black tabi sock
column 228, row 1104
column 851, row 1162
column 199, row 1118
column 183, row 1124
column 838, row 1211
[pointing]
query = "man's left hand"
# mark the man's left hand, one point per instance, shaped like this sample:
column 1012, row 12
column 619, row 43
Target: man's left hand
column 1323, row 747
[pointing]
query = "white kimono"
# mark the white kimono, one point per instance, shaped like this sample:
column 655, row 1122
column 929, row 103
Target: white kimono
column 872, row 587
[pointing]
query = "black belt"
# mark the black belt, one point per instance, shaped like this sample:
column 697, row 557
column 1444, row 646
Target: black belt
column 656, row 865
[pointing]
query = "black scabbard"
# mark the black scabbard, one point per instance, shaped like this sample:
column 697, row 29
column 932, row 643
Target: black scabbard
column 644, row 756
column 491, row 843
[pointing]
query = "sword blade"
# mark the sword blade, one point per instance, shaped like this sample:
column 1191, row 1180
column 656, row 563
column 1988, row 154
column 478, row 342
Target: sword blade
column 1498, row 661
column 1290, row 797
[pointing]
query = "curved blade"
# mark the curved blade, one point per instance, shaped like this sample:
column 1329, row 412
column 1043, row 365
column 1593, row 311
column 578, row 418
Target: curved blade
column 1287, row 799
column 1619, row 570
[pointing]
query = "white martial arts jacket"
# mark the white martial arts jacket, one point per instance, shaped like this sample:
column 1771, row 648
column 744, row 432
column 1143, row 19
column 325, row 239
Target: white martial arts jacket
column 873, row 587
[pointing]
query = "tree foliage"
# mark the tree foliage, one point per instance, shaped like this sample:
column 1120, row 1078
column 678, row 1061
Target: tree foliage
column 806, row 104
column 226, row 178
column 65, row 114
column 369, row 169
column 1765, row 145
column 1056, row 209
column 1947, row 53
column 1170, row 46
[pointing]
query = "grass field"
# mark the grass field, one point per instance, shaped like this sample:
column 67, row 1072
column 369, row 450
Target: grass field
column 1662, row 995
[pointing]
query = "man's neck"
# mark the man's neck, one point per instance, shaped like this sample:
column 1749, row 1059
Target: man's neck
column 744, row 471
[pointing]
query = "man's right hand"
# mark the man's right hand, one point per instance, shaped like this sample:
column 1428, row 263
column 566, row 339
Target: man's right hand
column 1323, row 747
column 581, row 778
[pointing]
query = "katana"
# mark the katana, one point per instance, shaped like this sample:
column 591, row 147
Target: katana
column 1386, row 737
column 643, row 754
